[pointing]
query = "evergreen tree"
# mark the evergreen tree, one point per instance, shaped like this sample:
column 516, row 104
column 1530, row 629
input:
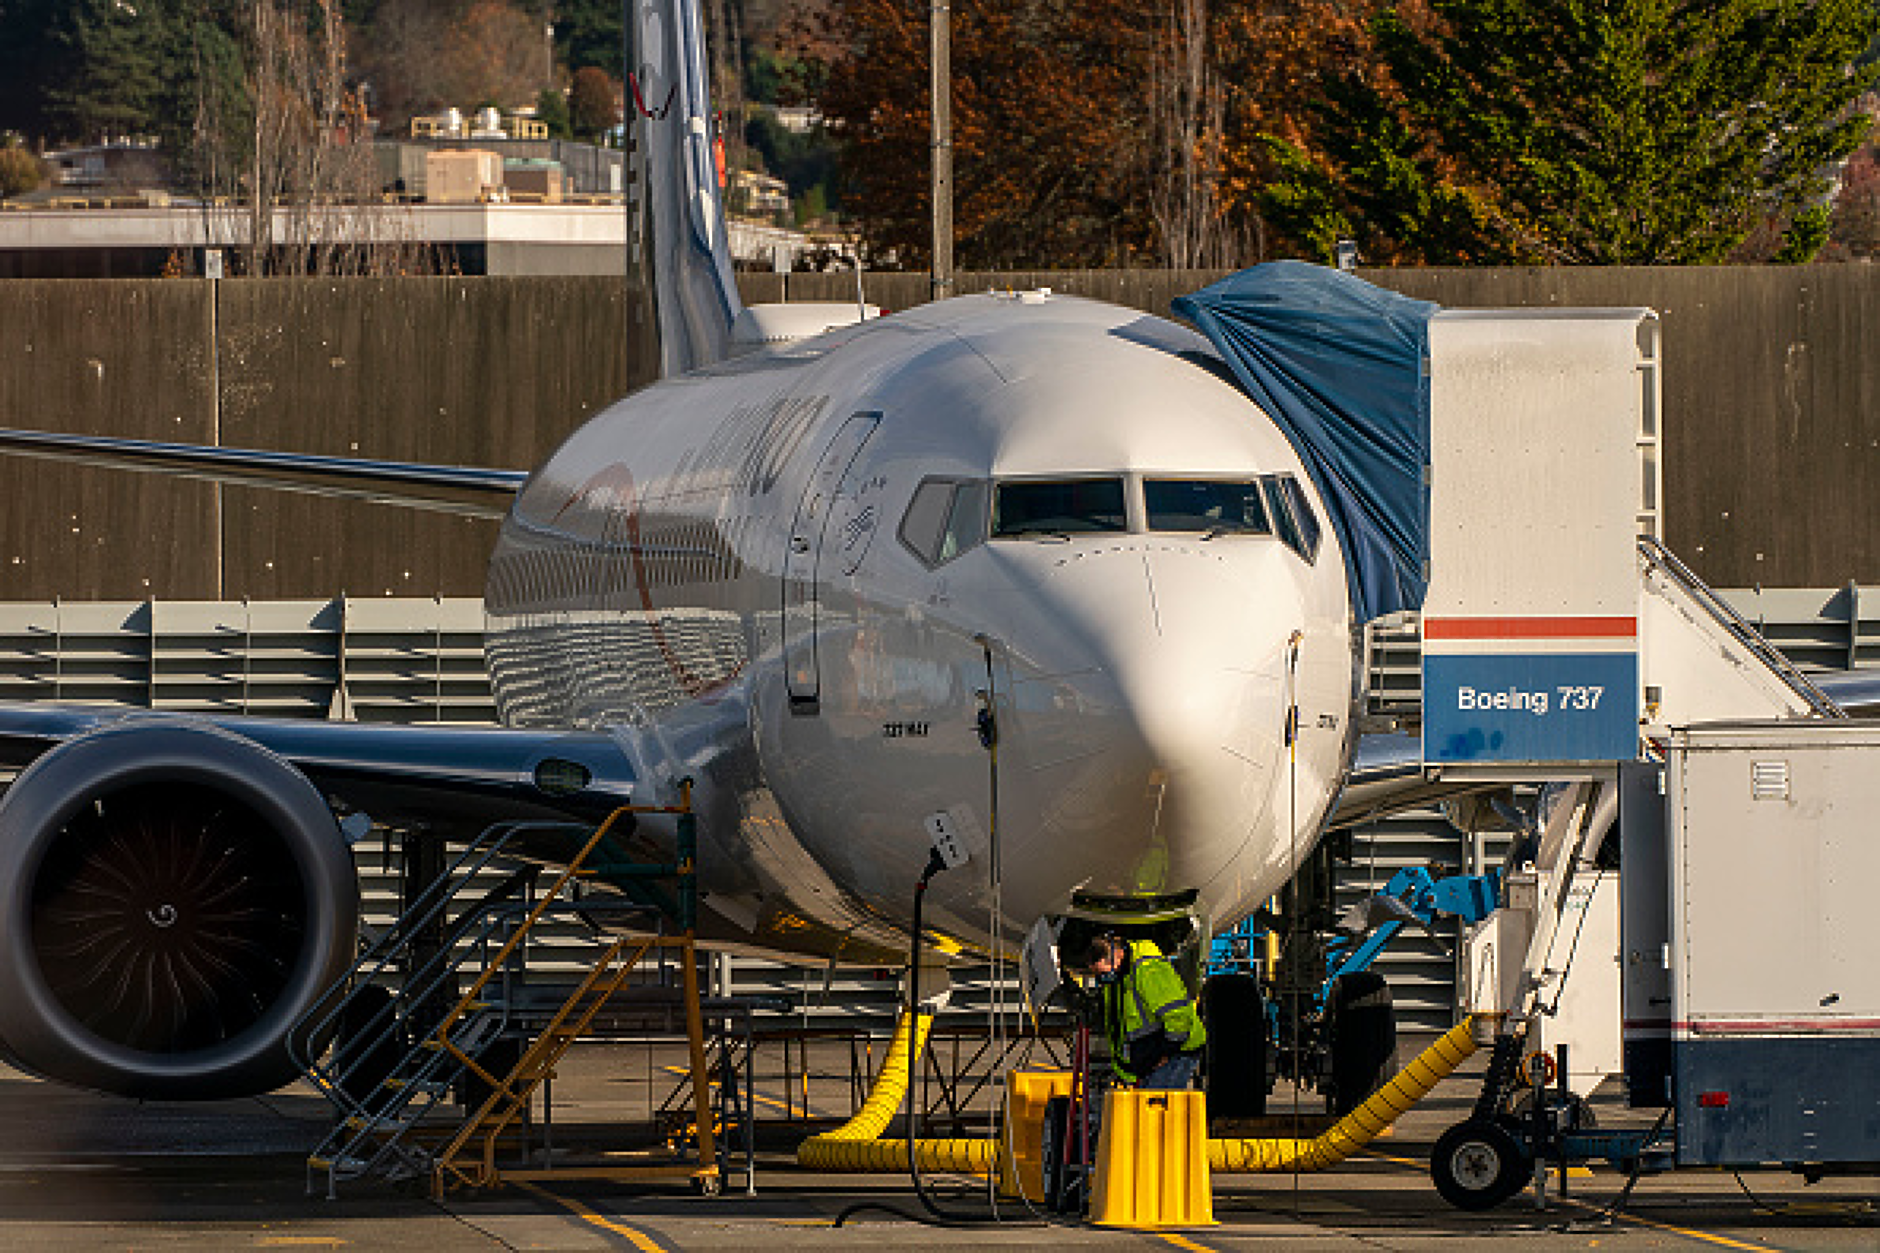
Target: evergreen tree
column 32, row 59
column 205, row 115
column 588, row 34
column 551, row 110
column 1582, row 131
column 117, row 54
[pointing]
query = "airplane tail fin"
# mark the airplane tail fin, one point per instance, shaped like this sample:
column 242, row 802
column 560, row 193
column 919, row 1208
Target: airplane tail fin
column 677, row 241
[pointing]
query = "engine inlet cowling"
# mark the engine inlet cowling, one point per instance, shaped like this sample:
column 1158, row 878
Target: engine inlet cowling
column 173, row 898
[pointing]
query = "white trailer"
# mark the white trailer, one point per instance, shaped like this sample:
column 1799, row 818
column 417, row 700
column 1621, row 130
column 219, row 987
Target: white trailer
column 1751, row 944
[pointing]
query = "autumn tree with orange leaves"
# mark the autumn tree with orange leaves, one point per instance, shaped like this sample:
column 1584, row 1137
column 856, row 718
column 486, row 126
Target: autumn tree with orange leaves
column 1278, row 58
column 1052, row 123
column 1085, row 135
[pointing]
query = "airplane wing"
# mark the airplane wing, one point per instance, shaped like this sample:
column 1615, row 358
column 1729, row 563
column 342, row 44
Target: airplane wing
column 459, row 778
column 177, row 891
column 470, row 491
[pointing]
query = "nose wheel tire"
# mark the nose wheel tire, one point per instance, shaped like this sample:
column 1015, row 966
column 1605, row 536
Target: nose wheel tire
column 1362, row 1026
column 1477, row 1165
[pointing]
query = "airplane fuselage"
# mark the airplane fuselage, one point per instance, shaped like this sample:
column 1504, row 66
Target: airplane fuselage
column 800, row 576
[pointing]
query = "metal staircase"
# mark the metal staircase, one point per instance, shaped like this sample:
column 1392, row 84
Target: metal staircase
column 1709, row 608
column 397, row 1059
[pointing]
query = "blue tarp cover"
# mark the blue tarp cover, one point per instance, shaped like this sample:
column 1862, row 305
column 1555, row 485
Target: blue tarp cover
column 1340, row 365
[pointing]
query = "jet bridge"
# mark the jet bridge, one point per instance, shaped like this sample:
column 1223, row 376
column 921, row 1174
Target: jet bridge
column 1502, row 471
column 1565, row 644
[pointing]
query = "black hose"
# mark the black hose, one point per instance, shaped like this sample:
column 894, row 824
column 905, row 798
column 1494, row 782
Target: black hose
column 935, row 1216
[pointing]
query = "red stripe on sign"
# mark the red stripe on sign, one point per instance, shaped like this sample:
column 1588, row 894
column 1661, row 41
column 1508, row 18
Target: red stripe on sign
column 1528, row 628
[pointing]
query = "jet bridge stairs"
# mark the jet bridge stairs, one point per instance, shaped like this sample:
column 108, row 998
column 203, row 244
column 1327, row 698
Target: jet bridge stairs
column 466, row 1023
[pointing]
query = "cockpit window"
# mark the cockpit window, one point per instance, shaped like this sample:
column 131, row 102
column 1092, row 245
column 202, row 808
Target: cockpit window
column 926, row 518
column 945, row 518
column 1293, row 518
column 966, row 520
column 1058, row 507
column 1213, row 507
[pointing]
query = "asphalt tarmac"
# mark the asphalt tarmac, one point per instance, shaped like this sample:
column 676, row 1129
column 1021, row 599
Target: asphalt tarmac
column 79, row 1171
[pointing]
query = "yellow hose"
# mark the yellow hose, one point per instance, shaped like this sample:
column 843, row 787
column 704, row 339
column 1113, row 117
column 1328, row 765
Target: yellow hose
column 887, row 1157
column 890, row 1083
column 856, row 1146
column 1360, row 1126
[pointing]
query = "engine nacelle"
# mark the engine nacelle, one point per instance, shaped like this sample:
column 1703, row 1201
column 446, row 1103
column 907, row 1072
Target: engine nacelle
column 173, row 898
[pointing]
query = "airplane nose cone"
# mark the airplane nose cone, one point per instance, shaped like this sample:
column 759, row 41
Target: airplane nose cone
column 1168, row 711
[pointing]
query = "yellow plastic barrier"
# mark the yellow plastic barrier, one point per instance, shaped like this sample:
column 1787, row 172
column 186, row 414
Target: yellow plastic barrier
column 1360, row 1126
column 1152, row 1163
column 855, row 1146
column 1027, row 1093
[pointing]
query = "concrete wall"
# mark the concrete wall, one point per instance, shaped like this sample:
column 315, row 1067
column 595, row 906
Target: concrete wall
column 125, row 358
column 1772, row 463
column 487, row 372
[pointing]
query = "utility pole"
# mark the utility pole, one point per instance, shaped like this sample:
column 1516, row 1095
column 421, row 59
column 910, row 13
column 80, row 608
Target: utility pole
column 941, row 43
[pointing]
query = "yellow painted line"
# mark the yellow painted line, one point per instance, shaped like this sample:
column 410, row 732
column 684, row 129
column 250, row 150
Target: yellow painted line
column 1183, row 1242
column 277, row 1241
column 639, row 1239
column 1688, row 1233
column 1702, row 1236
column 756, row 1097
column 1395, row 1161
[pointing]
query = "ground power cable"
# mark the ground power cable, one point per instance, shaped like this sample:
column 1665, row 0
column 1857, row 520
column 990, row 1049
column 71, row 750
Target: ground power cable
column 934, row 1215
column 986, row 726
column 1292, row 855
column 1785, row 1209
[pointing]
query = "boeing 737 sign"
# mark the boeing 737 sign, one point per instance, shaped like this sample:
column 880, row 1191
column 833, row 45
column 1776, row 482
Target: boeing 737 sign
column 1530, row 689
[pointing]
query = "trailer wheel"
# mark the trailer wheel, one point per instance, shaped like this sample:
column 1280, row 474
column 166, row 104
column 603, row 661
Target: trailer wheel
column 1363, row 1037
column 1477, row 1165
column 1235, row 1015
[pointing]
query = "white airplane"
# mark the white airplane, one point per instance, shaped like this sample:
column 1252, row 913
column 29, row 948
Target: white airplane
column 797, row 570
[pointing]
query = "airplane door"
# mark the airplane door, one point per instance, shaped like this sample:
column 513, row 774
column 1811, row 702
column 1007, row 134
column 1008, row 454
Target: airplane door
column 802, row 557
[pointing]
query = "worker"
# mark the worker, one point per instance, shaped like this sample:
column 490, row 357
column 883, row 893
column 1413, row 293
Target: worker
column 1154, row 1032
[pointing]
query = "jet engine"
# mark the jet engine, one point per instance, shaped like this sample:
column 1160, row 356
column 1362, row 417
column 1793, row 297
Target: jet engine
column 173, row 898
